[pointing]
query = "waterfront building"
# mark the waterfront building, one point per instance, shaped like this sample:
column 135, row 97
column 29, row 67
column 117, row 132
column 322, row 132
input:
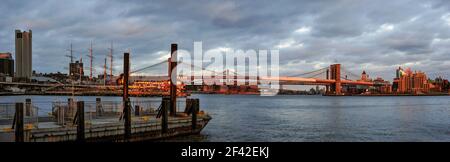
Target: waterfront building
column 76, row 69
column 364, row 76
column 23, row 54
column 360, row 88
column 408, row 82
column 440, row 85
column 58, row 76
column 382, row 86
column 6, row 64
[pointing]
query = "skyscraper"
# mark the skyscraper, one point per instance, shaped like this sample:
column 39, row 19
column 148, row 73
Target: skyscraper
column 23, row 54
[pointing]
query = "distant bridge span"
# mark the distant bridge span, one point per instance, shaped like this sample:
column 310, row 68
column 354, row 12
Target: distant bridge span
column 313, row 81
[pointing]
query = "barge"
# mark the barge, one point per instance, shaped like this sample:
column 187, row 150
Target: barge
column 101, row 122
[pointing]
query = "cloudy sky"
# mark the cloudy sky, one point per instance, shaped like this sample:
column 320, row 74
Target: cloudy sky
column 376, row 36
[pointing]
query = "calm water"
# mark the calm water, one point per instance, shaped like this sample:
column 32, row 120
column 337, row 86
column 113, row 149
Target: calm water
column 247, row 118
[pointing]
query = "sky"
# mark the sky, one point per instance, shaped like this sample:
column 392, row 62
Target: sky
column 375, row 36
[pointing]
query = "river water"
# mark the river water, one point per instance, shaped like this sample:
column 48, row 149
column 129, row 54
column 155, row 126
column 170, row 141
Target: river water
column 283, row 118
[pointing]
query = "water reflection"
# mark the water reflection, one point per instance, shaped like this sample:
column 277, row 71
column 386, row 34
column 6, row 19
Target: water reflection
column 245, row 118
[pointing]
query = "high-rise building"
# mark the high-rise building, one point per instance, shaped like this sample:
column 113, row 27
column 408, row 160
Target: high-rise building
column 23, row 54
column 6, row 64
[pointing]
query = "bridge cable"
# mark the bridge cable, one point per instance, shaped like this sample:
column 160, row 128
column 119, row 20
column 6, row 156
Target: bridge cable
column 302, row 74
column 148, row 67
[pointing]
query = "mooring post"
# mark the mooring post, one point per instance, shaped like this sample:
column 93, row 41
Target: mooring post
column 28, row 107
column 71, row 108
column 126, row 74
column 98, row 106
column 127, row 124
column 61, row 118
column 188, row 108
column 19, row 123
column 70, row 101
column 126, row 100
column 164, row 119
column 137, row 110
column 173, row 80
column 80, row 121
column 194, row 109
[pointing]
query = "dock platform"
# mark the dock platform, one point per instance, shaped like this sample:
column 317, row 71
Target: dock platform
column 102, row 122
column 143, row 129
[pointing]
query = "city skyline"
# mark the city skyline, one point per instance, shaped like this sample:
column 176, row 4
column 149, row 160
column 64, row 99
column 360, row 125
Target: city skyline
column 360, row 35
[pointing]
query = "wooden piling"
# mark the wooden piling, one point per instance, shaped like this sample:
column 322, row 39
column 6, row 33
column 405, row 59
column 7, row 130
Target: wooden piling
column 164, row 119
column 28, row 107
column 70, row 113
column 60, row 116
column 80, row 122
column 188, row 108
column 137, row 110
column 173, row 81
column 126, row 100
column 194, row 109
column 127, row 116
column 19, row 131
column 98, row 106
column 126, row 75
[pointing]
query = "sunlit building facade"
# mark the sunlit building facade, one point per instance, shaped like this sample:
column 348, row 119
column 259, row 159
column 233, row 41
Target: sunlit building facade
column 408, row 82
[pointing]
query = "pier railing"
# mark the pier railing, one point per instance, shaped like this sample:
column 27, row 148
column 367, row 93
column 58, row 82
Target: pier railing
column 64, row 112
column 8, row 115
column 106, row 111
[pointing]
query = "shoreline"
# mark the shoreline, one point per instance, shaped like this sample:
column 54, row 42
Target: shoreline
column 387, row 95
column 80, row 94
column 251, row 94
column 332, row 95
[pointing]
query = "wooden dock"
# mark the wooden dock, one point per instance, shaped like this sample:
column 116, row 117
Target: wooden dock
column 143, row 128
column 100, row 122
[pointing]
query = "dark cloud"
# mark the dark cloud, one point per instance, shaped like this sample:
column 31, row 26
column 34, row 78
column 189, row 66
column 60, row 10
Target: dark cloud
column 375, row 36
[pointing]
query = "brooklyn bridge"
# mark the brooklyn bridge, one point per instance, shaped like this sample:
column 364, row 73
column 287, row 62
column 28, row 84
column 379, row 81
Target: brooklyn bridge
column 333, row 77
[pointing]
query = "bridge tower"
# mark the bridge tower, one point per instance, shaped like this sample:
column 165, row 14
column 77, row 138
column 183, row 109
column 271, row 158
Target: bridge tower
column 327, row 87
column 336, row 75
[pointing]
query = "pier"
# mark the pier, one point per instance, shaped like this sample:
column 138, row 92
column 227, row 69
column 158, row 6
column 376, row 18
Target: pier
column 122, row 121
column 101, row 121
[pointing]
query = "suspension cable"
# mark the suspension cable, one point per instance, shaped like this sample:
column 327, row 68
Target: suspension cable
column 148, row 67
column 209, row 70
column 302, row 74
